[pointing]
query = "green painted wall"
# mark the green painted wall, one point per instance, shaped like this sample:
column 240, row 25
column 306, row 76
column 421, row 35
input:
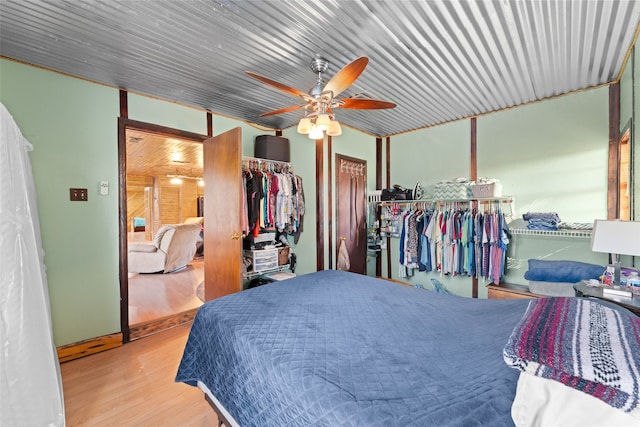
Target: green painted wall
column 358, row 145
column 72, row 125
column 552, row 157
column 428, row 156
column 168, row 114
column 303, row 154
column 549, row 155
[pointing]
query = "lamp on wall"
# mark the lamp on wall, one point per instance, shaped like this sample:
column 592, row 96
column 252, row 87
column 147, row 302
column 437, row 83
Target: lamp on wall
column 616, row 238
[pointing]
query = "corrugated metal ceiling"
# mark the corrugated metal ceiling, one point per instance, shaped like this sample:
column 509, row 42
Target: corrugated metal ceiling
column 437, row 60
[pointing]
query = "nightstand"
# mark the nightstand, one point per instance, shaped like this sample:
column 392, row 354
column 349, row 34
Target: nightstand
column 630, row 303
column 509, row 291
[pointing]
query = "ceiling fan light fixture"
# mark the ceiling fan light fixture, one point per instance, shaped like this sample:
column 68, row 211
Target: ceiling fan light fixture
column 316, row 133
column 176, row 181
column 334, row 128
column 305, row 125
column 321, row 101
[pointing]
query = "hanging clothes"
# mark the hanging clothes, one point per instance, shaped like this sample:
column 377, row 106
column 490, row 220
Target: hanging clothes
column 454, row 240
column 274, row 198
column 344, row 262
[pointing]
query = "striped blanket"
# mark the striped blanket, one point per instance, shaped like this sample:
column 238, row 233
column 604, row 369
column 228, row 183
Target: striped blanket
column 582, row 344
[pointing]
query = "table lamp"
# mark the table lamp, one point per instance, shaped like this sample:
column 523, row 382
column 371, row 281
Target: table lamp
column 617, row 238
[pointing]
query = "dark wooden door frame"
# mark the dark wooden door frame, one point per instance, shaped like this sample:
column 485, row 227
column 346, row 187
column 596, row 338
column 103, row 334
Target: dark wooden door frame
column 125, row 124
column 361, row 240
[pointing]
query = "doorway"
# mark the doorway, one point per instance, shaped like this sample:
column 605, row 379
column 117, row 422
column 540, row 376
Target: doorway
column 150, row 156
column 351, row 184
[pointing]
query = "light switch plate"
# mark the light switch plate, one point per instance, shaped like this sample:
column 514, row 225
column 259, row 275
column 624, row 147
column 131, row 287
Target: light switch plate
column 104, row 188
column 78, row 194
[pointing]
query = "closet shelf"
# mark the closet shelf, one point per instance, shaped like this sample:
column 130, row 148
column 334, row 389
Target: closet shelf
column 252, row 274
column 582, row 234
column 260, row 160
column 505, row 199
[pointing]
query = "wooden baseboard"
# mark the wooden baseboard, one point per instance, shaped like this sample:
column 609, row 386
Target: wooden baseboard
column 90, row 346
column 399, row 282
column 145, row 329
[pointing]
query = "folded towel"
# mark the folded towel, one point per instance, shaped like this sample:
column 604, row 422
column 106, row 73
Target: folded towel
column 582, row 344
column 562, row 271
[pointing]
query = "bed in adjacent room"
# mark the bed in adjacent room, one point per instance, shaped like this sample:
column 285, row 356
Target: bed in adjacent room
column 335, row 348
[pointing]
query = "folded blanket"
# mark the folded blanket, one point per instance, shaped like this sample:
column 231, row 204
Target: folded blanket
column 548, row 216
column 582, row 344
column 562, row 271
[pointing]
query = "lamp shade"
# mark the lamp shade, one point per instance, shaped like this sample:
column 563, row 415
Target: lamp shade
column 334, row 128
column 323, row 121
column 616, row 237
column 304, row 126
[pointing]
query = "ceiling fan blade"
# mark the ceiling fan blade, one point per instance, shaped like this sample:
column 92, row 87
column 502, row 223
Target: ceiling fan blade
column 282, row 110
column 282, row 87
column 366, row 104
column 346, row 76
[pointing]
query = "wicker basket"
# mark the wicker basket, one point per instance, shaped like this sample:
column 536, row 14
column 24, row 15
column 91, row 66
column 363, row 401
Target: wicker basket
column 493, row 189
column 283, row 255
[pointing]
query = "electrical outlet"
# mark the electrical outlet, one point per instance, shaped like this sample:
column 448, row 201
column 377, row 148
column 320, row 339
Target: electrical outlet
column 78, row 194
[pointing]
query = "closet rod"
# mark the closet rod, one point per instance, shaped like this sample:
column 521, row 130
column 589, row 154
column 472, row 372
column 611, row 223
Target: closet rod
column 259, row 160
column 411, row 202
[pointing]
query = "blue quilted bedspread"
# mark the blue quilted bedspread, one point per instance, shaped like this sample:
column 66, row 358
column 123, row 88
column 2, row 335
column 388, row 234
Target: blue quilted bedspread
column 339, row 349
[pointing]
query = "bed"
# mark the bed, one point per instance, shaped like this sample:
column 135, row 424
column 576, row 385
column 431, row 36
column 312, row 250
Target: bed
column 335, row 348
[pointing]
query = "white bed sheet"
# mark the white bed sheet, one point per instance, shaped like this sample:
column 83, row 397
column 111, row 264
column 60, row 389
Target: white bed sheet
column 541, row 402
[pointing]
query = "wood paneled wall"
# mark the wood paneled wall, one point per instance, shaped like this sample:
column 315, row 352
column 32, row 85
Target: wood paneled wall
column 136, row 197
column 173, row 203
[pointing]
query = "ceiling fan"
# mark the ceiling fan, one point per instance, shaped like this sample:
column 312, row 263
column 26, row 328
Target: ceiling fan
column 321, row 99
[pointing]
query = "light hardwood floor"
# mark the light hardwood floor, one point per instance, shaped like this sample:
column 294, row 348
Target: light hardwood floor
column 155, row 296
column 134, row 385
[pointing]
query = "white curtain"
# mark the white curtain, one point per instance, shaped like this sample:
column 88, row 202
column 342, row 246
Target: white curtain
column 30, row 383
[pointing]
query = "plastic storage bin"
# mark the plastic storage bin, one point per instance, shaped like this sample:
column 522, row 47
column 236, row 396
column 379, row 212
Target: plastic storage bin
column 263, row 259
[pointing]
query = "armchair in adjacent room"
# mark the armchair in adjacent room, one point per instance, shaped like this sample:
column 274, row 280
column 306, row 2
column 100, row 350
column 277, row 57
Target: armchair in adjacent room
column 173, row 247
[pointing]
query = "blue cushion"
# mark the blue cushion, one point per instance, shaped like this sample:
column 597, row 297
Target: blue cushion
column 562, row 271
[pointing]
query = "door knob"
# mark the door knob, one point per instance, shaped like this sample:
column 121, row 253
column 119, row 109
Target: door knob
column 236, row 236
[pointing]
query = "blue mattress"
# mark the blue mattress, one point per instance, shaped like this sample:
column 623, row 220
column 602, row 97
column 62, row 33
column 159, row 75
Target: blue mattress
column 340, row 349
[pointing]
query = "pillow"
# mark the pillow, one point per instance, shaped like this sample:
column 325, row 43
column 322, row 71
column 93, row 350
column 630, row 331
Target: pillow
column 562, row 271
column 542, row 402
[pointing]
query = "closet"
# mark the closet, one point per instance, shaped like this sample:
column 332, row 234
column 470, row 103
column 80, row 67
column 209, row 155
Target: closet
column 225, row 209
column 452, row 237
column 273, row 208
